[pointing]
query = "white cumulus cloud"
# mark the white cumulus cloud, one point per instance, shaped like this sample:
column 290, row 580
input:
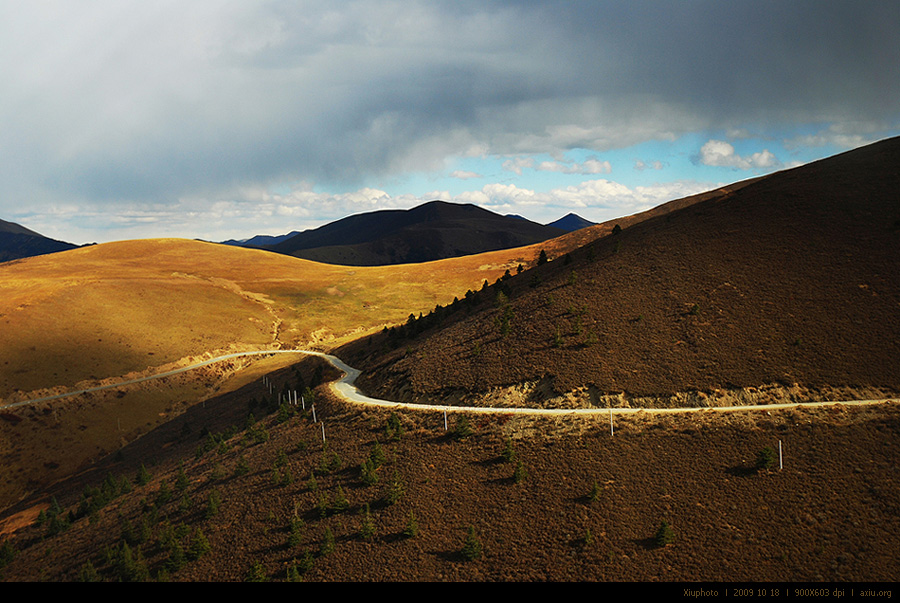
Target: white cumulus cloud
column 719, row 153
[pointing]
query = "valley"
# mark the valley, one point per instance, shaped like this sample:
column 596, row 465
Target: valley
column 780, row 290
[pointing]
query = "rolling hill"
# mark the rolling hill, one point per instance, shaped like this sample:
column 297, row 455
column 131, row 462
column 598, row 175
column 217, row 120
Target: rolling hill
column 789, row 279
column 115, row 311
column 787, row 286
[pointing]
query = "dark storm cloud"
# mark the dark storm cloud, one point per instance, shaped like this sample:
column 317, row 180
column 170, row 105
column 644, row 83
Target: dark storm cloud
column 153, row 101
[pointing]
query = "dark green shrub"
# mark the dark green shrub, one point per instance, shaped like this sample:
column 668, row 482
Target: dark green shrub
column 213, row 502
column 472, row 548
column 520, row 473
column 395, row 490
column 367, row 526
column 765, row 459
column 295, row 537
column 664, row 535
column 412, row 526
column 463, row 428
column 327, row 546
column 256, row 573
column 509, row 454
column 198, row 546
column 143, row 476
column 367, row 472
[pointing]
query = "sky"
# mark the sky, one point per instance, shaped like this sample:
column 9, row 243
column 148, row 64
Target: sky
column 217, row 119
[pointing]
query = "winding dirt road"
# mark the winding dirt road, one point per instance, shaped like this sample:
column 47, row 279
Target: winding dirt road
column 345, row 388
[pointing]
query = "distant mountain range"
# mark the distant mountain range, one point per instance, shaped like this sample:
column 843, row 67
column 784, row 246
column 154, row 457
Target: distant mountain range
column 432, row 231
column 17, row 242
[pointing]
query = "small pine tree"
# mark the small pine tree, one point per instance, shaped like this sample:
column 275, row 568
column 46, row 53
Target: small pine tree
column 367, row 472
column 664, row 535
column 765, row 459
column 509, row 454
column 177, row 558
column 88, row 573
column 520, row 473
column 472, row 548
column 594, row 494
column 164, row 494
column 295, row 537
column 293, row 573
column 181, row 480
column 327, row 546
column 412, row 526
column 394, row 428
column 242, row 467
column 367, row 526
column 256, row 573
column 340, row 503
column 213, row 503
column 143, row 476
column 463, row 428
column 395, row 490
column 198, row 546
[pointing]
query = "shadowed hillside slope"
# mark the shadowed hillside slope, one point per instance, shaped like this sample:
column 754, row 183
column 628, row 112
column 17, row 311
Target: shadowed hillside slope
column 790, row 279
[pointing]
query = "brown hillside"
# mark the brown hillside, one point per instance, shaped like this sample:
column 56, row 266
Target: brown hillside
column 587, row 506
column 791, row 280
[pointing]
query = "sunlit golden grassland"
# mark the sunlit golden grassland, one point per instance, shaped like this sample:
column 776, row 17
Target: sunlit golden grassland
column 112, row 309
column 100, row 314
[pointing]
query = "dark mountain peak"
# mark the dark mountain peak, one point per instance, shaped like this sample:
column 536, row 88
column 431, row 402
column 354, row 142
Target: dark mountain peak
column 431, row 231
column 571, row 222
column 13, row 228
column 17, row 242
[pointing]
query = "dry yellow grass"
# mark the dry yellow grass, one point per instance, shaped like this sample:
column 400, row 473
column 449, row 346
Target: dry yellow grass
column 118, row 310
column 109, row 310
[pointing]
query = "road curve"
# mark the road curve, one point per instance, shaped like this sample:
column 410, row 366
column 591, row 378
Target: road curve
column 345, row 388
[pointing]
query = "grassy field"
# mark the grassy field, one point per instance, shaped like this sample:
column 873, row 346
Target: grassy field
column 100, row 314
column 119, row 308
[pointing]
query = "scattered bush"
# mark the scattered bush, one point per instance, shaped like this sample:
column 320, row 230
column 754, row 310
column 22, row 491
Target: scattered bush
column 213, row 502
column 198, row 546
column 471, row 548
column 412, row 526
column 367, row 526
column 256, row 573
column 394, row 427
column 664, row 535
column 463, row 428
column 765, row 459
column 520, row 473
column 327, row 546
column 395, row 490
column 295, row 536
column 508, row 455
